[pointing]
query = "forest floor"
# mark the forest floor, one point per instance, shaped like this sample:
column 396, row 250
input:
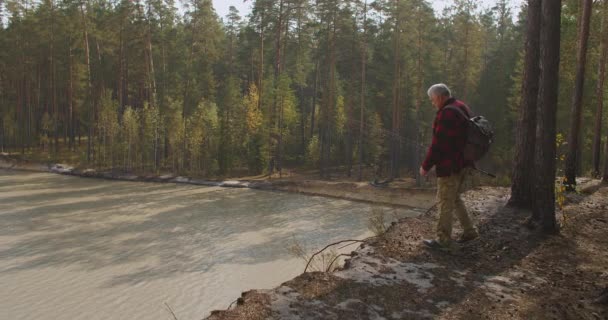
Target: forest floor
column 510, row 272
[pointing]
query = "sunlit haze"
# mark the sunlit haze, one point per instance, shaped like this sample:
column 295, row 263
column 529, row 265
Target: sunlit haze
column 244, row 7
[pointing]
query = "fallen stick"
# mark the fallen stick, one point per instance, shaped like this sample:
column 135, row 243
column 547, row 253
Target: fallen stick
column 327, row 246
column 336, row 258
column 233, row 302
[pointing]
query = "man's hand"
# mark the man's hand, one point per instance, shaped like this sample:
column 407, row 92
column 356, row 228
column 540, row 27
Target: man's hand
column 423, row 172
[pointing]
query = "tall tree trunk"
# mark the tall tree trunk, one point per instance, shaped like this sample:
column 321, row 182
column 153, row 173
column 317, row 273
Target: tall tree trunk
column 70, row 121
column 151, row 74
column 20, row 114
column 599, row 92
column 465, row 66
column 119, row 86
column 523, row 171
column 313, row 102
column 187, row 87
column 89, row 85
column 100, row 84
column 123, row 81
column 329, row 105
column 53, row 100
column 577, row 99
column 277, row 74
column 261, row 65
column 419, row 91
column 396, row 116
column 158, row 154
column 363, row 82
column 544, row 208
column 300, row 85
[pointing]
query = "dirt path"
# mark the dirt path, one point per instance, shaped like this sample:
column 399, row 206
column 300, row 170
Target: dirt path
column 509, row 273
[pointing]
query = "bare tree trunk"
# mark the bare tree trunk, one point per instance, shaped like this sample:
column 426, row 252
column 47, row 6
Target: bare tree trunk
column 70, row 121
column 151, row 75
column 329, row 105
column 89, row 86
column 314, row 100
column 522, row 178
column 187, row 87
column 546, row 131
column 277, row 73
column 599, row 93
column 261, row 66
column 419, row 78
column 396, row 116
column 53, row 100
column 20, row 115
column 122, row 92
column 577, row 99
column 363, row 83
column 301, row 86
column 158, row 153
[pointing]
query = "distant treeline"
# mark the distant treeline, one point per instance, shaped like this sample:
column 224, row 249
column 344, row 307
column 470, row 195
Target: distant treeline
column 327, row 84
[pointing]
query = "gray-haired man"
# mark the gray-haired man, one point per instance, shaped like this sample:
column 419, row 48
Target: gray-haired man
column 447, row 156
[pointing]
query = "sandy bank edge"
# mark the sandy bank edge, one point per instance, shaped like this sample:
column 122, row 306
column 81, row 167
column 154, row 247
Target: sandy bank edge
column 492, row 277
column 411, row 198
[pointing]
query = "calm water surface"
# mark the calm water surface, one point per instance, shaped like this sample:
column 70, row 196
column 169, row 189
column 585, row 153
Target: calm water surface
column 75, row 248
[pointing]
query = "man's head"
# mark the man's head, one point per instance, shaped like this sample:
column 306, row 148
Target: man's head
column 439, row 94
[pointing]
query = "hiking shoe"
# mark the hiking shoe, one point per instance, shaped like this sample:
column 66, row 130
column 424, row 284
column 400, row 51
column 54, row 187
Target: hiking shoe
column 434, row 244
column 467, row 237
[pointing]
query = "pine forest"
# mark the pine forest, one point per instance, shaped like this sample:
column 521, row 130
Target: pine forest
column 337, row 86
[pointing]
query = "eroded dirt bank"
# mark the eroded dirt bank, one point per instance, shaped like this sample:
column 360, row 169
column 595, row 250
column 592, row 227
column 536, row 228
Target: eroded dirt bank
column 510, row 272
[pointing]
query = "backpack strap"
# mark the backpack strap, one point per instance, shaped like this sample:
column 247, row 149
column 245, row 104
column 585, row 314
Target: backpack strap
column 457, row 109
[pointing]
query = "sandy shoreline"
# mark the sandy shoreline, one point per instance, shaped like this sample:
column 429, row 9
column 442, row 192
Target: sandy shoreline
column 401, row 196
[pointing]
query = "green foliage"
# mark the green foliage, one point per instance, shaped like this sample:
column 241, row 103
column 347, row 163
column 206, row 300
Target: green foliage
column 257, row 158
column 201, row 135
column 130, row 138
column 175, row 137
column 108, row 130
column 163, row 89
column 152, row 128
column 254, row 116
column 340, row 120
column 255, row 143
column 312, row 151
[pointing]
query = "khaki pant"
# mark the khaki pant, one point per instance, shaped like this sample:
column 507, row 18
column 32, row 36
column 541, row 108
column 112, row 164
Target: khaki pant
column 448, row 194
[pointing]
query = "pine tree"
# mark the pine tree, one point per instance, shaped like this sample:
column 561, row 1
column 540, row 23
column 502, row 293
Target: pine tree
column 544, row 207
column 522, row 179
column 577, row 99
column 599, row 92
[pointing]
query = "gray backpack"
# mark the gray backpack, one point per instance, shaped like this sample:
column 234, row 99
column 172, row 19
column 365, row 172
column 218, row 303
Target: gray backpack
column 480, row 136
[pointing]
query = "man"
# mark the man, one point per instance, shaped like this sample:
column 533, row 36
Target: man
column 447, row 156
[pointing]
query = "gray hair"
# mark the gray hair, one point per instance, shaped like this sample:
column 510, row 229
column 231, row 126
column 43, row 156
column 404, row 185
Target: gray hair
column 439, row 89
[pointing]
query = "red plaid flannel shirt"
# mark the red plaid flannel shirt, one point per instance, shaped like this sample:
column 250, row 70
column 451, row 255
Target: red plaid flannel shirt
column 449, row 139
